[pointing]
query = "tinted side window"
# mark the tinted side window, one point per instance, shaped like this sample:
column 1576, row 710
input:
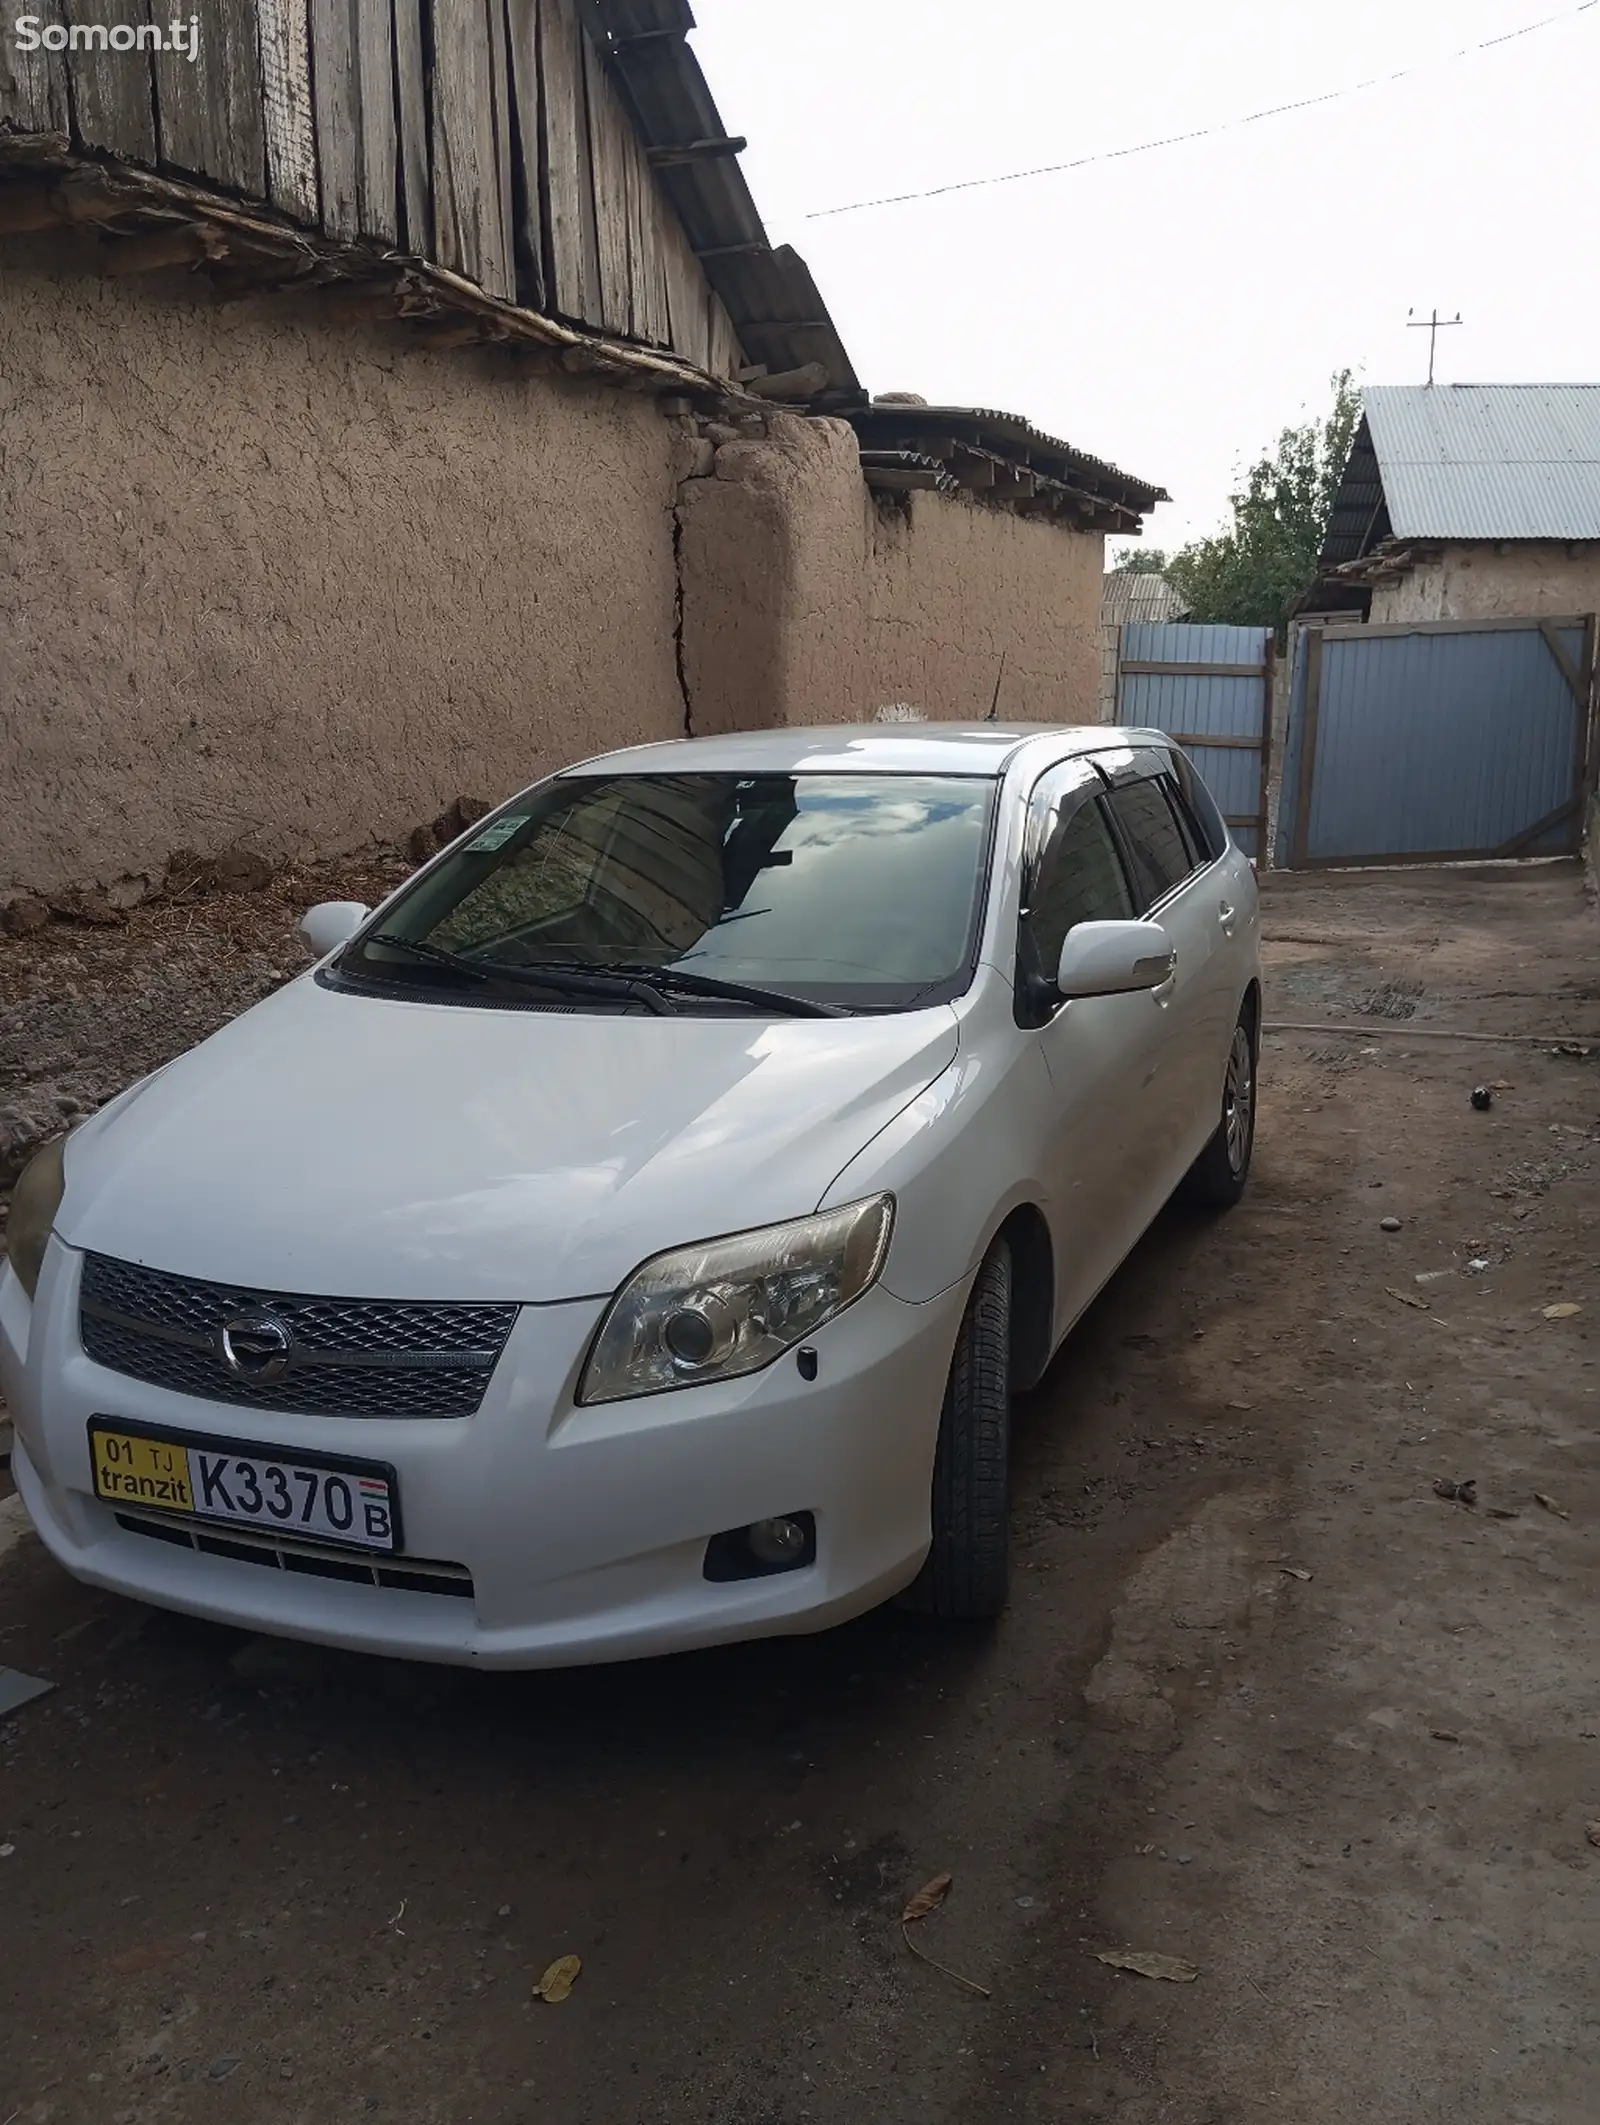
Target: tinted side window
column 1161, row 856
column 1203, row 807
column 1189, row 827
column 1082, row 881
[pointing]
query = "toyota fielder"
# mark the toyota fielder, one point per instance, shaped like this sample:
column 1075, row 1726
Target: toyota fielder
column 630, row 1236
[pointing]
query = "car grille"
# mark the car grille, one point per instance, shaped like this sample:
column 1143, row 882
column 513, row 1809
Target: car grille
column 285, row 1553
column 347, row 1357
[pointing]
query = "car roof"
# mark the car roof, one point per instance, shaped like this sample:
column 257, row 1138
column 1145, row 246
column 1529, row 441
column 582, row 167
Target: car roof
column 881, row 748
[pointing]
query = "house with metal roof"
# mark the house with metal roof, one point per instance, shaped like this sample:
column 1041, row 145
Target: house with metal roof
column 405, row 400
column 1467, row 501
column 1131, row 598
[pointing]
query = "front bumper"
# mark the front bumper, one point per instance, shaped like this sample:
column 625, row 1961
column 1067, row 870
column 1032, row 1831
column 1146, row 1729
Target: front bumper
column 583, row 1530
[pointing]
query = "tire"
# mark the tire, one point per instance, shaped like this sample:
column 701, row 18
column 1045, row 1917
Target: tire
column 1218, row 1176
column 968, row 1570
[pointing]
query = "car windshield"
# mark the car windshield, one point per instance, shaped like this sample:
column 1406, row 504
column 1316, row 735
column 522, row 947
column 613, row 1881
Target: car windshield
column 859, row 891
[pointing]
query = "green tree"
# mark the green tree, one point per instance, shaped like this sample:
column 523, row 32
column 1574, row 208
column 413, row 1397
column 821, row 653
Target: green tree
column 1139, row 561
column 1251, row 573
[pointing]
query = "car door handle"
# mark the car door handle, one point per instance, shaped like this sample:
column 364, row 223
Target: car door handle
column 1226, row 916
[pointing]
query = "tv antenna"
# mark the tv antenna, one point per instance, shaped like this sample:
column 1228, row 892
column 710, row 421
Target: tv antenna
column 1433, row 325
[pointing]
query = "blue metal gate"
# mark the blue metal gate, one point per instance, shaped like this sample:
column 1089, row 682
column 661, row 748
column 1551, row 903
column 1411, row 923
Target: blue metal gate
column 1438, row 741
column 1210, row 688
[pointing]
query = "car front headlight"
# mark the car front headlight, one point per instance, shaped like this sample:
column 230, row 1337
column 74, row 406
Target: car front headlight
column 34, row 1203
column 731, row 1306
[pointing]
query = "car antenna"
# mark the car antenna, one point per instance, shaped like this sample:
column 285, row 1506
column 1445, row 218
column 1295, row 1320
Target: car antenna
column 999, row 675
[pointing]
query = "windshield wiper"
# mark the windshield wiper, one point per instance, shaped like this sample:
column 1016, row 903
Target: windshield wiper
column 710, row 985
column 419, row 950
column 611, row 977
column 572, row 980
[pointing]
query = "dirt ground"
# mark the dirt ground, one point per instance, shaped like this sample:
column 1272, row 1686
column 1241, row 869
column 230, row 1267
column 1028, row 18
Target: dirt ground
column 1264, row 1700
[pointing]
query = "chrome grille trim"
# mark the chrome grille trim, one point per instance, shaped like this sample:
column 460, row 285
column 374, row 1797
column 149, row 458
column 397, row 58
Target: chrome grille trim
column 349, row 1357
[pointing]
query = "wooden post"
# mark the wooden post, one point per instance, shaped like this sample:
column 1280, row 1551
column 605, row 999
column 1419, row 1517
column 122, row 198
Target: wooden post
column 1308, row 748
column 1588, row 726
column 1269, row 670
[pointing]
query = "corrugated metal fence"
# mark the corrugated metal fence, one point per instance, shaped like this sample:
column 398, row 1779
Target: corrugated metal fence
column 1211, row 689
column 1437, row 741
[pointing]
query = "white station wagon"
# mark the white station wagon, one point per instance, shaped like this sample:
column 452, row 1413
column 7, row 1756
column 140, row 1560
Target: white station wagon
column 630, row 1236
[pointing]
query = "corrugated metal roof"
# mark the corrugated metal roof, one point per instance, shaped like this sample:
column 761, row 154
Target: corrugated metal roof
column 1487, row 461
column 946, row 431
column 1128, row 598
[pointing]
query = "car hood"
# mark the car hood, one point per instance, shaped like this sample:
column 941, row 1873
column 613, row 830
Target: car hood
column 326, row 1142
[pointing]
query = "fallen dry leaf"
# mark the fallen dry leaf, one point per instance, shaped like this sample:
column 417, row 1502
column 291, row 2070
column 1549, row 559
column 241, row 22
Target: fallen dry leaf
column 1550, row 1505
column 134, row 1962
column 1144, row 1963
column 1443, row 1734
column 1593, row 1833
column 928, row 1898
column 1294, row 1571
column 1563, row 1310
column 558, row 1980
column 1406, row 1299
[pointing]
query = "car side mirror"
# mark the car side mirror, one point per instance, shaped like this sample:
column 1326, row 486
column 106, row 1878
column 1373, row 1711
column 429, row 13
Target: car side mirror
column 332, row 923
column 1114, row 958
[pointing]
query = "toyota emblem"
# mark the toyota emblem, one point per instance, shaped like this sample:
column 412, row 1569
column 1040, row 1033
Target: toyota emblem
column 256, row 1346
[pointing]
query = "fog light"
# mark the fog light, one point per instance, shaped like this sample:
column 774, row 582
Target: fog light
column 786, row 1543
column 776, row 1542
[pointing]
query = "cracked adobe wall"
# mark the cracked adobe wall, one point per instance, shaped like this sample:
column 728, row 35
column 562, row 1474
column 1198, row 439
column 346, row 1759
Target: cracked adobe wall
column 806, row 601
column 1534, row 579
column 959, row 584
column 273, row 581
column 270, row 579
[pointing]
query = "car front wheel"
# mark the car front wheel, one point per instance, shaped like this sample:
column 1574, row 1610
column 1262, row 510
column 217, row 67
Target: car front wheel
column 968, row 1570
column 1217, row 1178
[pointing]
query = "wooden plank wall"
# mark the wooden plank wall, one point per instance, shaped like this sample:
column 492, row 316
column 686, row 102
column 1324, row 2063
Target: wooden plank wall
column 485, row 135
column 113, row 101
column 209, row 110
column 33, row 84
column 285, row 35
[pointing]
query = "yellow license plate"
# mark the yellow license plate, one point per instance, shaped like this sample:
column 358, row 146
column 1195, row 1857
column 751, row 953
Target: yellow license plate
column 132, row 1471
column 317, row 1497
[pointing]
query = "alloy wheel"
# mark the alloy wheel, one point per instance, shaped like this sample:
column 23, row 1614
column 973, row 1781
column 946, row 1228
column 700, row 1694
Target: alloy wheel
column 1239, row 1100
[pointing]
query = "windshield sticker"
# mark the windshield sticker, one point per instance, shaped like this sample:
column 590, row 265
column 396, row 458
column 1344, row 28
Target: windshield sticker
column 496, row 836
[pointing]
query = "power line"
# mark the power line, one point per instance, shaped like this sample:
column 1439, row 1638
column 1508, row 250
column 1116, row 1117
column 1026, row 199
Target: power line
column 1205, row 132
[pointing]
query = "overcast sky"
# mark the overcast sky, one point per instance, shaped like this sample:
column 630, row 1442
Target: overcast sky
column 1172, row 311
